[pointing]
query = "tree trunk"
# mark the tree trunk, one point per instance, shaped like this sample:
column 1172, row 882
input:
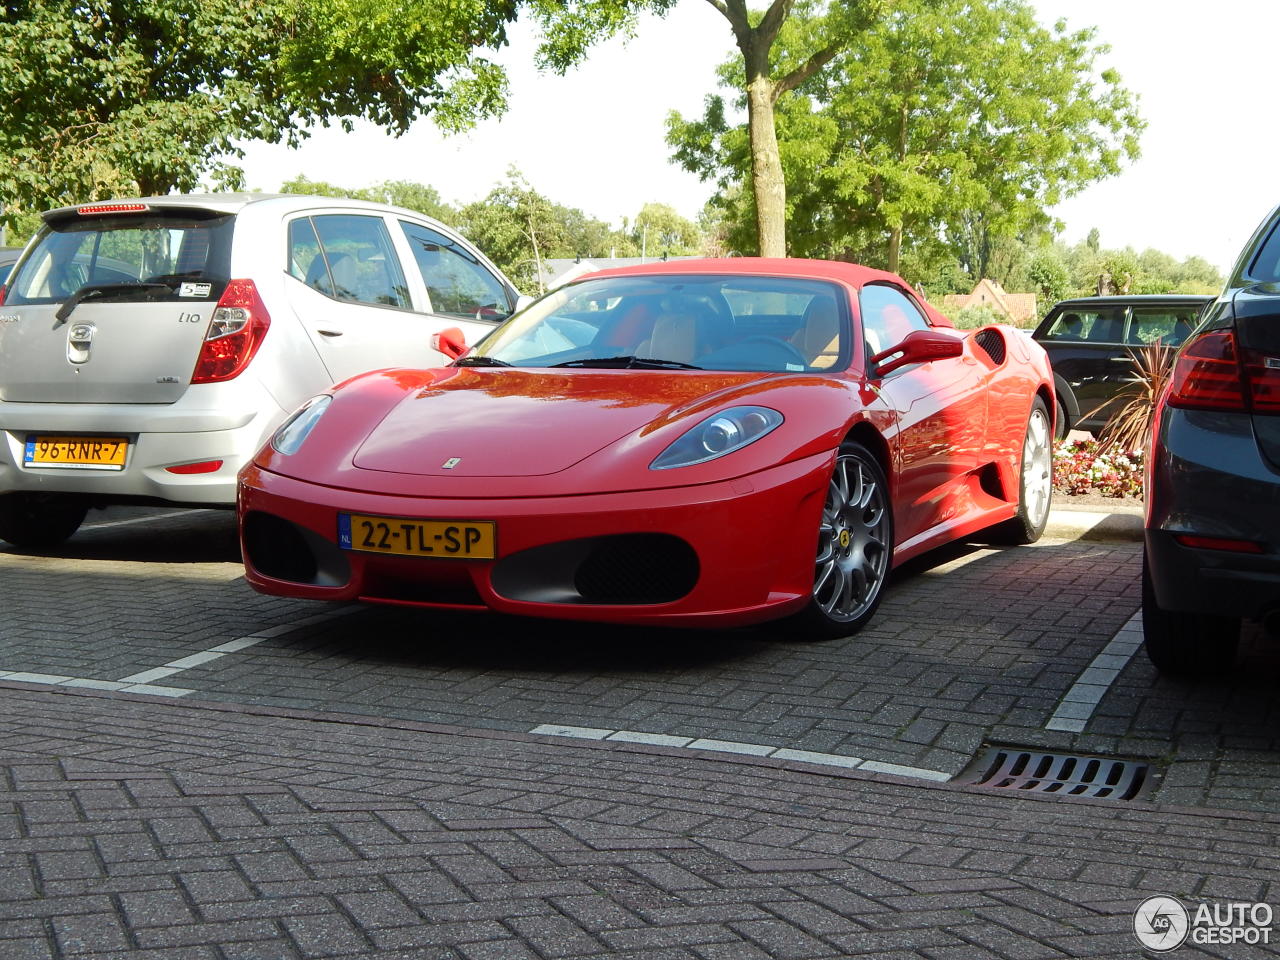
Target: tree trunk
column 766, row 170
column 895, row 249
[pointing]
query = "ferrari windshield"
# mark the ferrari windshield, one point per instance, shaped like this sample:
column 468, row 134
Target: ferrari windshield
column 675, row 322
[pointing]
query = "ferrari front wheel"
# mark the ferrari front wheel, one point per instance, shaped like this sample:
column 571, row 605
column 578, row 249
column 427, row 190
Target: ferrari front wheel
column 855, row 548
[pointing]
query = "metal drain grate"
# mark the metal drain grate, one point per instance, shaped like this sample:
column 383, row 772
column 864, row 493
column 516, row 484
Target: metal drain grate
column 1004, row 768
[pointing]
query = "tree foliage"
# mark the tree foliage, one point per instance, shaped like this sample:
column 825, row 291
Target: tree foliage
column 116, row 97
column 402, row 193
column 519, row 228
column 660, row 231
column 943, row 126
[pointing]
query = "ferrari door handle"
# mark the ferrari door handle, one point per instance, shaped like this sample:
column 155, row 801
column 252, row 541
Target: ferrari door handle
column 329, row 333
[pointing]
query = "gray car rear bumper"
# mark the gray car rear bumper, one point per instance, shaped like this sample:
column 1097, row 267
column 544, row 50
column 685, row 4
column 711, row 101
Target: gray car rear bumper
column 1208, row 478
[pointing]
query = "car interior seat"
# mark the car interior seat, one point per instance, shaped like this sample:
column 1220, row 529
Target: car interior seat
column 1071, row 327
column 336, row 276
column 686, row 328
column 674, row 337
column 818, row 338
column 1107, row 329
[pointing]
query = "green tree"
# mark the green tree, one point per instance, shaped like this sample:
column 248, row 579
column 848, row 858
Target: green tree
column 401, row 193
column 1048, row 275
column 954, row 121
column 111, row 97
column 518, row 228
column 659, row 230
column 764, row 73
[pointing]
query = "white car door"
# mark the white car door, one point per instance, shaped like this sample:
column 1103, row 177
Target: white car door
column 348, row 286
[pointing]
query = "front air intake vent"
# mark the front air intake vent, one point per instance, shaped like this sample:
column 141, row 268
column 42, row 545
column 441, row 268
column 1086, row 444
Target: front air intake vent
column 992, row 343
column 623, row 568
column 637, row 568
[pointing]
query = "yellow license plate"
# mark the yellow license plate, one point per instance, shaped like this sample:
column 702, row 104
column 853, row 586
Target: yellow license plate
column 77, row 453
column 403, row 537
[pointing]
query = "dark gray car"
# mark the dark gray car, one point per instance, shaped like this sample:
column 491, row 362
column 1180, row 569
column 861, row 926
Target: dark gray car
column 1090, row 342
column 1213, row 495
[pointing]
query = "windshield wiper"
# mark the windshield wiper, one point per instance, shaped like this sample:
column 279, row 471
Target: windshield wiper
column 97, row 291
column 628, row 363
column 480, row 361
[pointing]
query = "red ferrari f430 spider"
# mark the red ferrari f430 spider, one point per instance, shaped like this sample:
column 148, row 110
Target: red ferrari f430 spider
column 695, row 443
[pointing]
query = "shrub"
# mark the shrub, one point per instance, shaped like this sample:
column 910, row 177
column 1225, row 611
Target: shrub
column 1081, row 466
column 1130, row 427
column 971, row 318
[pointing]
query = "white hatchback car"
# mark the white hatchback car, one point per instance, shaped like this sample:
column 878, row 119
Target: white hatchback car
column 149, row 347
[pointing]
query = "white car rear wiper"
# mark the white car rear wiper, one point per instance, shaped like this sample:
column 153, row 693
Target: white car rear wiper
column 96, row 291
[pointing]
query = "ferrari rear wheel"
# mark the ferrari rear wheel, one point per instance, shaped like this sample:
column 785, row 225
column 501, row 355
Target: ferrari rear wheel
column 855, row 548
column 1035, row 482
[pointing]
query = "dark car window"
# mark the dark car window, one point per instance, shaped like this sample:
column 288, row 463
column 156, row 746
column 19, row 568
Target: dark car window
column 710, row 322
column 888, row 316
column 1266, row 265
column 347, row 257
column 1087, row 326
column 457, row 282
column 127, row 249
column 1169, row 325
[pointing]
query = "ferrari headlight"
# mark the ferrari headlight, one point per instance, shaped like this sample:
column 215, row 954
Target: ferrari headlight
column 288, row 438
column 727, row 431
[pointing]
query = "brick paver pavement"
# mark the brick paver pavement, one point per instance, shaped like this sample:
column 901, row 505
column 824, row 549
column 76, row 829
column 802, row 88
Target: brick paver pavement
column 139, row 828
column 972, row 645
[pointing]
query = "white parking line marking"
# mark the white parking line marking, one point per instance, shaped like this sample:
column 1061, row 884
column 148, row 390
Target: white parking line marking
column 151, row 518
column 91, row 684
column 142, row 682
column 746, row 749
column 1077, row 704
column 233, row 646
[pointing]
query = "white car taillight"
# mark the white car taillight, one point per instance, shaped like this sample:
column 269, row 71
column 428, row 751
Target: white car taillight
column 236, row 329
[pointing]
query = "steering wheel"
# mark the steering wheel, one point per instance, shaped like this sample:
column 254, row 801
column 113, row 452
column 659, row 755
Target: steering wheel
column 775, row 343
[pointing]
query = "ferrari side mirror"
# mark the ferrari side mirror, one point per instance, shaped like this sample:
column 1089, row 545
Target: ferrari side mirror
column 920, row 346
column 449, row 341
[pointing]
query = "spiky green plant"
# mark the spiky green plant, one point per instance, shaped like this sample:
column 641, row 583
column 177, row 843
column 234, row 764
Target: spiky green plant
column 1129, row 428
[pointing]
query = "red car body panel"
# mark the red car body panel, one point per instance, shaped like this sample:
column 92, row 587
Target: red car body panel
column 558, row 455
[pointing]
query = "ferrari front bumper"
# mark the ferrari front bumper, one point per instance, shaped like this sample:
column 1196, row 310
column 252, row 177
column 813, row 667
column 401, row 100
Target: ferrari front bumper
column 719, row 554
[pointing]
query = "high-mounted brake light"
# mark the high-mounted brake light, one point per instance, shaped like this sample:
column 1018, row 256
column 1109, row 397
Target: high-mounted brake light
column 96, row 208
column 236, row 329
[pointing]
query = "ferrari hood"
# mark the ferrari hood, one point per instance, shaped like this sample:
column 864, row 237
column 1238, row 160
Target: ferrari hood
column 483, row 422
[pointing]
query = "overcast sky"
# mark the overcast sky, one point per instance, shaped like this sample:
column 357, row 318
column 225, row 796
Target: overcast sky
column 594, row 139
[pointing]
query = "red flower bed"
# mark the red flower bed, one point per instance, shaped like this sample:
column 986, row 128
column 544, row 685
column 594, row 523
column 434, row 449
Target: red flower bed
column 1079, row 468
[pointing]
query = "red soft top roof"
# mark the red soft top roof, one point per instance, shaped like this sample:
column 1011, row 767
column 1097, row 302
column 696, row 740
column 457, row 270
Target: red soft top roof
column 851, row 273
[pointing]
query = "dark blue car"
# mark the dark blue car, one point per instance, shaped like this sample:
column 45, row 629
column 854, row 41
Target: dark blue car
column 1213, row 475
